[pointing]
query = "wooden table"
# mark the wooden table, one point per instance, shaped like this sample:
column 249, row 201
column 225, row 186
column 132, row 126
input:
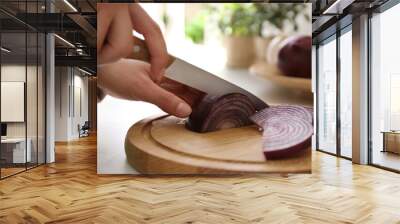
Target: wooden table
column 391, row 141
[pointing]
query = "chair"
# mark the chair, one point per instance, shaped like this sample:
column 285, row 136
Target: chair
column 84, row 130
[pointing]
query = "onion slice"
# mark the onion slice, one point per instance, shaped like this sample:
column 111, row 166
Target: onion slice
column 289, row 110
column 287, row 130
column 214, row 113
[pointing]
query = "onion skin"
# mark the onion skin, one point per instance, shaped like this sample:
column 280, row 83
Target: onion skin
column 214, row 113
column 294, row 58
column 293, row 150
column 289, row 152
column 287, row 130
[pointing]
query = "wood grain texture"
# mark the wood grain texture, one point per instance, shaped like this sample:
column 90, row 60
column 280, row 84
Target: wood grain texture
column 163, row 145
column 392, row 142
column 7, row 171
column 70, row 191
column 273, row 74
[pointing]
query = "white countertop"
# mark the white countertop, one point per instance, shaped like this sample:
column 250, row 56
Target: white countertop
column 13, row 140
column 114, row 118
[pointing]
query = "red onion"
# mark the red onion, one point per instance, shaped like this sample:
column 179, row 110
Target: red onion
column 294, row 58
column 289, row 110
column 220, row 112
column 287, row 130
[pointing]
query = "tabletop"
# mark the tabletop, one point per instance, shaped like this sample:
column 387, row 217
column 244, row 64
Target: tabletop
column 116, row 116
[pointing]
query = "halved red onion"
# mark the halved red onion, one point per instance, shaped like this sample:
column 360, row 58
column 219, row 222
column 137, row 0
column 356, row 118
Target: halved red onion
column 294, row 58
column 214, row 113
column 289, row 110
column 287, row 130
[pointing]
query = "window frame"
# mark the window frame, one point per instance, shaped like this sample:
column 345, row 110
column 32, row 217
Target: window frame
column 333, row 37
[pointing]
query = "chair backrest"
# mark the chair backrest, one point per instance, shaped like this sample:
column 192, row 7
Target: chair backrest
column 86, row 124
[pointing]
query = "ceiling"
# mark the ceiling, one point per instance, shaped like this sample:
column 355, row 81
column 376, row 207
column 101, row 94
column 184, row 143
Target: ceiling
column 77, row 23
column 58, row 5
column 16, row 42
column 74, row 22
column 331, row 15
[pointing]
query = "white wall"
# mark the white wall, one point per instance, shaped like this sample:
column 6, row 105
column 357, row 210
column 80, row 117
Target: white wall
column 16, row 73
column 33, row 126
column 12, row 101
column 12, row 73
column 80, row 83
column 69, row 82
column 50, row 92
column 62, row 81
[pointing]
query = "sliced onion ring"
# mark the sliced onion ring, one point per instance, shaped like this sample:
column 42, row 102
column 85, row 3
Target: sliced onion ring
column 214, row 113
column 289, row 110
column 287, row 130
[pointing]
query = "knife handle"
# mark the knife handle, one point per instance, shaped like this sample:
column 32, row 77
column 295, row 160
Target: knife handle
column 141, row 52
column 190, row 95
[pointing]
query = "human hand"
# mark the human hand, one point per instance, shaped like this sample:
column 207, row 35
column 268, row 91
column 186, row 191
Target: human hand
column 130, row 79
column 114, row 35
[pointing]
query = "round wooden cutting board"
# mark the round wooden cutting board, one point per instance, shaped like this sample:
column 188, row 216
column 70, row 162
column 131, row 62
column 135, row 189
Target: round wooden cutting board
column 163, row 145
column 273, row 74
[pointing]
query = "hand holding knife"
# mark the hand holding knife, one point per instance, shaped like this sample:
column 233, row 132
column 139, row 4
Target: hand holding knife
column 189, row 75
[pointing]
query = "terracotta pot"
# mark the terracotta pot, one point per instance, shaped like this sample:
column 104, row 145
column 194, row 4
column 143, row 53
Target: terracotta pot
column 239, row 51
column 261, row 45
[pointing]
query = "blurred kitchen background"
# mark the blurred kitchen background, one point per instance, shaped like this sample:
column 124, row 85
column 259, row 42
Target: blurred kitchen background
column 206, row 32
column 239, row 42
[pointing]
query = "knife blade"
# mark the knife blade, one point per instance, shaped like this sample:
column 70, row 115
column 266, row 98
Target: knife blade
column 193, row 76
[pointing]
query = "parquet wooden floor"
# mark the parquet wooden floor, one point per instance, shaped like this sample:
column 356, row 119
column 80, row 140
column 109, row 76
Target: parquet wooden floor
column 10, row 171
column 70, row 191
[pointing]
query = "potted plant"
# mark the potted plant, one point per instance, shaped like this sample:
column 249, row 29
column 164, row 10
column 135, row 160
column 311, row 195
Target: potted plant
column 194, row 30
column 236, row 23
column 270, row 20
column 261, row 39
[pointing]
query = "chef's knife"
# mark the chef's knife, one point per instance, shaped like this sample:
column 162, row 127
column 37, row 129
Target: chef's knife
column 190, row 75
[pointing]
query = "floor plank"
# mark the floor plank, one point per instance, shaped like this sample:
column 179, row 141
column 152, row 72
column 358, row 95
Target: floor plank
column 70, row 191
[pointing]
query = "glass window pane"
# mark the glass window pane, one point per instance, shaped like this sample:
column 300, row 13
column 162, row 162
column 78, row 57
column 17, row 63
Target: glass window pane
column 346, row 94
column 327, row 96
column 385, row 84
column 23, row 89
column 13, row 86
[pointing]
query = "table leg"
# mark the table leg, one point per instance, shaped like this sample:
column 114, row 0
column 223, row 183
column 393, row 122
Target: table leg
column 384, row 142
